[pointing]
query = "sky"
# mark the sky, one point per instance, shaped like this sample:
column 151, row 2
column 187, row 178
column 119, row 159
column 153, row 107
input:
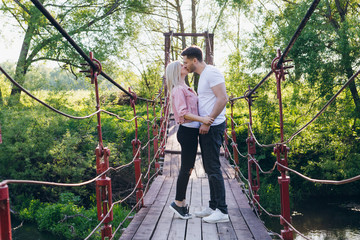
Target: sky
column 11, row 39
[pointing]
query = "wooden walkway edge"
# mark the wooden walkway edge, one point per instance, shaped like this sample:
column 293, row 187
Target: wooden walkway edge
column 157, row 221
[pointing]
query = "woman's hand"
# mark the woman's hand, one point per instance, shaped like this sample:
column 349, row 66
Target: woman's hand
column 207, row 120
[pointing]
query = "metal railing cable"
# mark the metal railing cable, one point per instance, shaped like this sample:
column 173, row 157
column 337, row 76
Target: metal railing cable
column 257, row 142
column 233, row 144
column 297, row 32
column 110, row 209
column 261, row 170
column 134, row 207
column 16, row 181
column 352, row 78
column 251, row 194
column 251, row 199
column 63, row 32
column 65, row 114
column 324, row 107
column 138, row 182
column 332, row 182
column 43, row 103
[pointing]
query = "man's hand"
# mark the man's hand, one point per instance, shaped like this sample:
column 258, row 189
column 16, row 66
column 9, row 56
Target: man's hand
column 207, row 120
column 204, row 129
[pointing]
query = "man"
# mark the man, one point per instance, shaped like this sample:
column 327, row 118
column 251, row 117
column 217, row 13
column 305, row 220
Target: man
column 212, row 101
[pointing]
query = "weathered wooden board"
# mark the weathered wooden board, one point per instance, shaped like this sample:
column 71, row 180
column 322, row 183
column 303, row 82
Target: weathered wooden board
column 157, row 221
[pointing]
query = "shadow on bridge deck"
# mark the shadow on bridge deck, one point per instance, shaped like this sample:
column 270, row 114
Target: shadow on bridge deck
column 156, row 220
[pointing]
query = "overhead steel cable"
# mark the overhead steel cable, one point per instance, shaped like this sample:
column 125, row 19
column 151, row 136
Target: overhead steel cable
column 290, row 45
column 258, row 85
column 236, row 98
column 298, row 31
column 73, row 43
column 43, row 103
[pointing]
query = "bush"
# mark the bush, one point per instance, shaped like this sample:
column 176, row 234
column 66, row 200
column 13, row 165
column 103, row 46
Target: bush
column 66, row 219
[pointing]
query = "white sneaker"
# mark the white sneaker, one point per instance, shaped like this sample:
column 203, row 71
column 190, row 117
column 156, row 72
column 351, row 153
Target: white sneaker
column 204, row 213
column 216, row 217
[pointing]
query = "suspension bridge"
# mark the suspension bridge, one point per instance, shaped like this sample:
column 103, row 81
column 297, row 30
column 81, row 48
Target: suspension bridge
column 153, row 219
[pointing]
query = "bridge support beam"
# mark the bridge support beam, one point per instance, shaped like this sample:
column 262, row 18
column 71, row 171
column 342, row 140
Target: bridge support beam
column 5, row 221
column 281, row 151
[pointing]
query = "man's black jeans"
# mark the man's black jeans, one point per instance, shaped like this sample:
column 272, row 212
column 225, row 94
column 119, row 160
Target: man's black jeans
column 210, row 144
column 188, row 139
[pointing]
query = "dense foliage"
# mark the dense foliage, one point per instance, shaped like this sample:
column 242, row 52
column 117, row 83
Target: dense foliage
column 329, row 147
column 41, row 145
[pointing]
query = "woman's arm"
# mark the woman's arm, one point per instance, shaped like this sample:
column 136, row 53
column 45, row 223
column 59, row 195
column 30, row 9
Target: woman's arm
column 206, row 120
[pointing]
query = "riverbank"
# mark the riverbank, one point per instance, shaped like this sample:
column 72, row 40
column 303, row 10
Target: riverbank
column 323, row 219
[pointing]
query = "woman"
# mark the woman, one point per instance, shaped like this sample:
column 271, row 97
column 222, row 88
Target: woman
column 185, row 108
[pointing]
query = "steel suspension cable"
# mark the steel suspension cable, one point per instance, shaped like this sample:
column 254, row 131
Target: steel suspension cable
column 290, row 45
column 298, row 31
column 325, row 106
column 73, row 43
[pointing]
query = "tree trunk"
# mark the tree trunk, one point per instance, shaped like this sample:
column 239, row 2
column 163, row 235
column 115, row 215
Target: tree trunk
column 22, row 64
column 346, row 58
column 1, row 99
column 193, row 20
column 182, row 30
column 196, row 76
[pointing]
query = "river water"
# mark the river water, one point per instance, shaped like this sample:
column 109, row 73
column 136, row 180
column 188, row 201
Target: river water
column 29, row 231
column 319, row 219
column 324, row 219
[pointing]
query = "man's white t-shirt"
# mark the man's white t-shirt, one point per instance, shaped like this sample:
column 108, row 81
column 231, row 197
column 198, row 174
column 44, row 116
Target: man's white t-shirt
column 209, row 78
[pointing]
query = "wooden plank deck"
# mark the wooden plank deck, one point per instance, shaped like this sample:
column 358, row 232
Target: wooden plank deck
column 157, row 221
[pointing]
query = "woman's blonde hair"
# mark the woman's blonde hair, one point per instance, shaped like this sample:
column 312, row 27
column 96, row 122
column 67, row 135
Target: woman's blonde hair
column 173, row 74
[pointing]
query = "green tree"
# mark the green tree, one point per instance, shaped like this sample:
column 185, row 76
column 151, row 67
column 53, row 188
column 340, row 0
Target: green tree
column 98, row 26
column 326, row 52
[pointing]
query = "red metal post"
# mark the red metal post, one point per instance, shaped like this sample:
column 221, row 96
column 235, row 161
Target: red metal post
column 156, row 143
column 136, row 153
column 148, row 132
column 5, row 221
column 281, row 156
column 164, row 122
column 227, row 154
column 167, row 56
column 252, row 166
column 233, row 134
column 103, row 184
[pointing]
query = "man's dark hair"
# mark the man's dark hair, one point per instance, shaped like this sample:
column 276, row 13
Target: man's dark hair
column 193, row 52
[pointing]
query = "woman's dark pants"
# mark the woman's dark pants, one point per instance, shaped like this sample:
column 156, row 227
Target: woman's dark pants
column 188, row 139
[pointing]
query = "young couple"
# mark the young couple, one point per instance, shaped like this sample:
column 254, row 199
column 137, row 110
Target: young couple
column 200, row 117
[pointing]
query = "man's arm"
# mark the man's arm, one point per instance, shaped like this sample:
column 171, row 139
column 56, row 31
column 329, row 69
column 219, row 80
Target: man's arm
column 221, row 100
